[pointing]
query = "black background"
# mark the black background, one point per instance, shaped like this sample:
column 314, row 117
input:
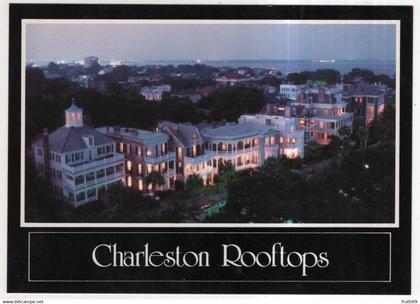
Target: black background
column 401, row 237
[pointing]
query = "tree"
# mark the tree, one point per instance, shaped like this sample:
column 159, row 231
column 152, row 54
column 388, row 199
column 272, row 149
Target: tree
column 194, row 182
column 314, row 152
column 363, row 136
column 156, row 179
column 226, row 173
column 53, row 67
column 230, row 103
column 359, row 74
column 344, row 133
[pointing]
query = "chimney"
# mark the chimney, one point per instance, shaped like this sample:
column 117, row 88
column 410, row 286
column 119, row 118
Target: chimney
column 46, row 147
column 321, row 94
column 287, row 112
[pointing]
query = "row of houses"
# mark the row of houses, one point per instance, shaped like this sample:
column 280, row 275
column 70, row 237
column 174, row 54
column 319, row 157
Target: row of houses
column 82, row 162
column 365, row 101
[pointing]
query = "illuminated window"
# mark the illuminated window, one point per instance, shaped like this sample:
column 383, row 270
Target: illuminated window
column 140, row 185
column 293, row 140
column 128, row 165
column 149, row 168
column 179, row 153
column 121, row 147
column 148, row 152
column 267, row 141
column 138, row 151
column 272, row 140
column 370, row 111
column 281, row 139
column 129, row 181
column 139, row 168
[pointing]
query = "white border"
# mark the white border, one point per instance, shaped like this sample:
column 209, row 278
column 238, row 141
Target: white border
column 212, row 232
column 23, row 223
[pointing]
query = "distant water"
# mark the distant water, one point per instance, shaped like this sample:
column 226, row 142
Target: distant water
column 289, row 66
column 285, row 66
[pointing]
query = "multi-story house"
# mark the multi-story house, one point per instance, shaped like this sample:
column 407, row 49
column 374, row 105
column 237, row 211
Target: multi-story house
column 291, row 140
column 191, row 157
column 245, row 145
column 365, row 101
column 155, row 93
column 290, row 91
column 79, row 162
column 144, row 152
column 321, row 112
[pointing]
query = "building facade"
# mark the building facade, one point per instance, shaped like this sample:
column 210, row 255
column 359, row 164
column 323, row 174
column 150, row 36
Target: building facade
column 365, row 101
column 290, row 91
column 79, row 162
column 245, row 145
column 191, row 157
column 321, row 112
column 144, row 152
column 155, row 93
column 291, row 139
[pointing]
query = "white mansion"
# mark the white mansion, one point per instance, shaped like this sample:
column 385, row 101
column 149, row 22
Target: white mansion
column 79, row 161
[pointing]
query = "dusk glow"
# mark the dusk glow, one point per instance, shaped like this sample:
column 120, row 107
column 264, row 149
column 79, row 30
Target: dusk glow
column 211, row 41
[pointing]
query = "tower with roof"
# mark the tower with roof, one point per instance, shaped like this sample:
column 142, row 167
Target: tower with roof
column 78, row 162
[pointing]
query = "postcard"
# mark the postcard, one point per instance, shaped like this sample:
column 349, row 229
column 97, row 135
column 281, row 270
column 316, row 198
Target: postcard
column 210, row 149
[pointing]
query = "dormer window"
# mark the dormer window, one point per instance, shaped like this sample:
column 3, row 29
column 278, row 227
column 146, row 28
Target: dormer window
column 89, row 140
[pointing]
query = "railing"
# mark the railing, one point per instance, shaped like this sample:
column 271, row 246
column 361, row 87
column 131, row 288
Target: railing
column 93, row 164
column 169, row 173
column 72, row 186
column 199, row 159
column 159, row 159
column 201, row 172
column 236, row 152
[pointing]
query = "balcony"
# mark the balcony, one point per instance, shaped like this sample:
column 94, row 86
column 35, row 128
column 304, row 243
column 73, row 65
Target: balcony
column 201, row 172
column 236, row 152
column 169, row 173
column 74, row 169
column 199, row 159
column 160, row 159
column 96, row 181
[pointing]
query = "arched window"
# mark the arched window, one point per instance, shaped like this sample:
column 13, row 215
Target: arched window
column 240, row 145
column 220, row 147
column 229, row 147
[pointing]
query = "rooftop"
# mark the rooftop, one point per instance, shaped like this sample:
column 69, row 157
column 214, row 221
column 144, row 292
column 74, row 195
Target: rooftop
column 186, row 133
column 71, row 139
column 362, row 89
column 232, row 131
column 133, row 133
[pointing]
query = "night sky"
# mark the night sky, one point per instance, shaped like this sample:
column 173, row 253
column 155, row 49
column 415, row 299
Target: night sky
column 211, row 41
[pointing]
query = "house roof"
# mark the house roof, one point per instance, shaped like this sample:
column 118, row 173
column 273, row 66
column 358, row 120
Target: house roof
column 241, row 130
column 70, row 139
column 73, row 108
column 133, row 134
column 362, row 89
column 187, row 134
